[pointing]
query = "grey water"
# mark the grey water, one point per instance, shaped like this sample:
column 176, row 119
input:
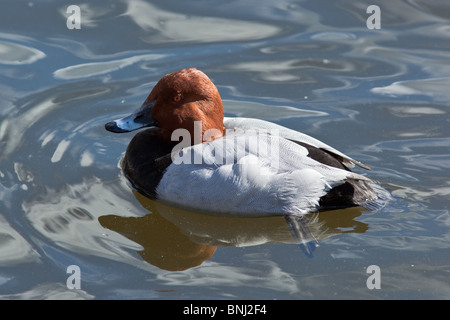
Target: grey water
column 379, row 95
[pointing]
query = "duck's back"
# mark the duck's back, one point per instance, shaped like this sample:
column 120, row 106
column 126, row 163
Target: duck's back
column 250, row 173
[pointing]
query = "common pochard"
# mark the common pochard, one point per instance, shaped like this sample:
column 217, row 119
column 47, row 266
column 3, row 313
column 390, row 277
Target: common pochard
column 195, row 157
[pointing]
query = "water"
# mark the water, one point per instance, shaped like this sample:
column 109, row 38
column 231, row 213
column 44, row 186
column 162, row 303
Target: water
column 380, row 96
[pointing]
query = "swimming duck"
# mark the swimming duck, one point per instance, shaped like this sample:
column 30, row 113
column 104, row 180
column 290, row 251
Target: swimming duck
column 194, row 157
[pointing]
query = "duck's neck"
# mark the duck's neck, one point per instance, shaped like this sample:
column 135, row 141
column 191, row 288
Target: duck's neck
column 205, row 132
column 195, row 134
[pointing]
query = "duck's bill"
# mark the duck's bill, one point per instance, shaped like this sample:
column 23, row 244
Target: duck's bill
column 140, row 119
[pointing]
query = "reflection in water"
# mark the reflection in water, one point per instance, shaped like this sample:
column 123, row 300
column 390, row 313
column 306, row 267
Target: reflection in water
column 164, row 245
column 49, row 291
column 16, row 54
column 178, row 239
column 261, row 111
column 173, row 26
column 435, row 87
column 13, row 247
column 99, row 68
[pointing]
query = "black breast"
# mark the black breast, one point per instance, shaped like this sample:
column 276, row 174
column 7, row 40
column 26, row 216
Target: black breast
column 146, row 159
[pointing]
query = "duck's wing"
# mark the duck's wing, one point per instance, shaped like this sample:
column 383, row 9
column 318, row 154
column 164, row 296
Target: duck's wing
column 300, row 138
column 250, row 173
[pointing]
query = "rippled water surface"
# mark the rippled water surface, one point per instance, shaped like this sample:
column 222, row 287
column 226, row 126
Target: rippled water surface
column 380, row 95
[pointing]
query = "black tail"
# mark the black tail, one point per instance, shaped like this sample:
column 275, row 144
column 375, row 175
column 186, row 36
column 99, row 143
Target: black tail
column 356, row 193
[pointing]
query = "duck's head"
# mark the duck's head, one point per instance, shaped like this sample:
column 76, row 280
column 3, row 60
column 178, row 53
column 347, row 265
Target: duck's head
column 184, row 99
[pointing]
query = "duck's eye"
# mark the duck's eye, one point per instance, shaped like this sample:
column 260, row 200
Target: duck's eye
column 177, row 98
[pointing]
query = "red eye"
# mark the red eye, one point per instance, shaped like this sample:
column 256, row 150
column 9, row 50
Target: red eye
column 177, row 98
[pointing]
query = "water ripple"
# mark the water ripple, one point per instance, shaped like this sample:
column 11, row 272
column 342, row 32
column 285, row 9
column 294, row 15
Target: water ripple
column 17, row 54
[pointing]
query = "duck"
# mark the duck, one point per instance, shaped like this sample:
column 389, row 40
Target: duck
column 190, row 155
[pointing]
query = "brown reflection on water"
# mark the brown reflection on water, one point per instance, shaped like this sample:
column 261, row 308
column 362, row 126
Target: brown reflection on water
column 164, row 245
column 177, row 239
